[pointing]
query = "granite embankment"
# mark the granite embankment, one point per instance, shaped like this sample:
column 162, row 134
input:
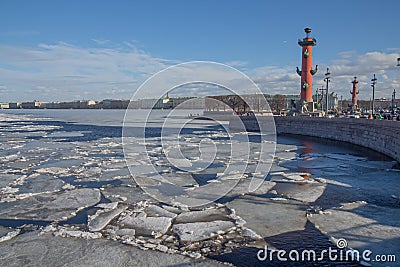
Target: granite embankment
column 381, row 136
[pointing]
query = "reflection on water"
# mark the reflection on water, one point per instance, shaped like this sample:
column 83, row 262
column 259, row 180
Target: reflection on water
column 307, row 147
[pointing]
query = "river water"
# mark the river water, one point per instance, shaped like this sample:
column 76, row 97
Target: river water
column 321, row 189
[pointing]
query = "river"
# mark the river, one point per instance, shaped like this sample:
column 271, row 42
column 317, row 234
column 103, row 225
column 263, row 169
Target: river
column 320, row 190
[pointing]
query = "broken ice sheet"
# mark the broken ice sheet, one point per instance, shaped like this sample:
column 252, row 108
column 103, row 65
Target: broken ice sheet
column 65, row 134
column 38, row 183
column 85, row 252
column 56, row 206
column 363, row 227
column 62, row 163
column 112, row 174
column 199, row 196
column 332, row 172
column 125, row 194
column 302, row 192
column 243, row 187
column 6, row 179
column 53, row 170
column 11, row 233
column 44, row 145
column 180, row 163
column 102, row 218
column 141, row 169
column 286, row 147
column 180, row 179
column 271, row 217
column 156, row 211
column 147, row 226
column 206, row 215
column 4, row 231
column 290, row 177
column 286, row 154
column 198, row 231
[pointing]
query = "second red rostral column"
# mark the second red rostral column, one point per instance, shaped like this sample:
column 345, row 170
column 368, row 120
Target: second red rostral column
column 354, row 93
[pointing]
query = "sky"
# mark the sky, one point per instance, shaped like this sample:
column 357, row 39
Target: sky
column 62, row 50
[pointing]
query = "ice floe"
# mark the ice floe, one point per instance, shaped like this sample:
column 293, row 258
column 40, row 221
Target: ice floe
column 147, row 226
column 102, row 218
column 271, row 217
column 56, row 206
column 198, row 231
column 7, row 233
column 362, row 225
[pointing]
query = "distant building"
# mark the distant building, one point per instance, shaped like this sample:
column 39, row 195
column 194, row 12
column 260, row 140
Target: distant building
column 91, row 103
column 169, row 103
column 155, row 104
column 83, row 104
column 188, row 102
column 14, row 105
column 63, row 105
column 135, row 104
column 77, row 104
column 4, row 106
column 51, row 105
column 31, row 105
column 114, row 104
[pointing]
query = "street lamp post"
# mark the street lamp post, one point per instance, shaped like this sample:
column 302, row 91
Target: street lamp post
column 341, row 103
column 373, row 82
column 327, row 80
column 394, row 90
column 322, row 89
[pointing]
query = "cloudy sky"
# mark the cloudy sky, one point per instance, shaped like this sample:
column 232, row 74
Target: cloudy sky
column 70, row 49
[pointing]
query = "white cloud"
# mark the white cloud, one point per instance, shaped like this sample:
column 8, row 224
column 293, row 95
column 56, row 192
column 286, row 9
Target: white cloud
column 276, row 80
column 100, row 41
column 347, row 54
column 273, row 80
column 63, row 71
column 52, row 72
column 237, row 63
column 364, row 66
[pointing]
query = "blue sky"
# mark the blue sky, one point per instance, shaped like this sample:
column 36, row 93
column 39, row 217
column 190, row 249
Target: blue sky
column 65, row 50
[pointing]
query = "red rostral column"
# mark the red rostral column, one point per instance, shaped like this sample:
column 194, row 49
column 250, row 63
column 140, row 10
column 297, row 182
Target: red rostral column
column 354, row 93
column 307, row 72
